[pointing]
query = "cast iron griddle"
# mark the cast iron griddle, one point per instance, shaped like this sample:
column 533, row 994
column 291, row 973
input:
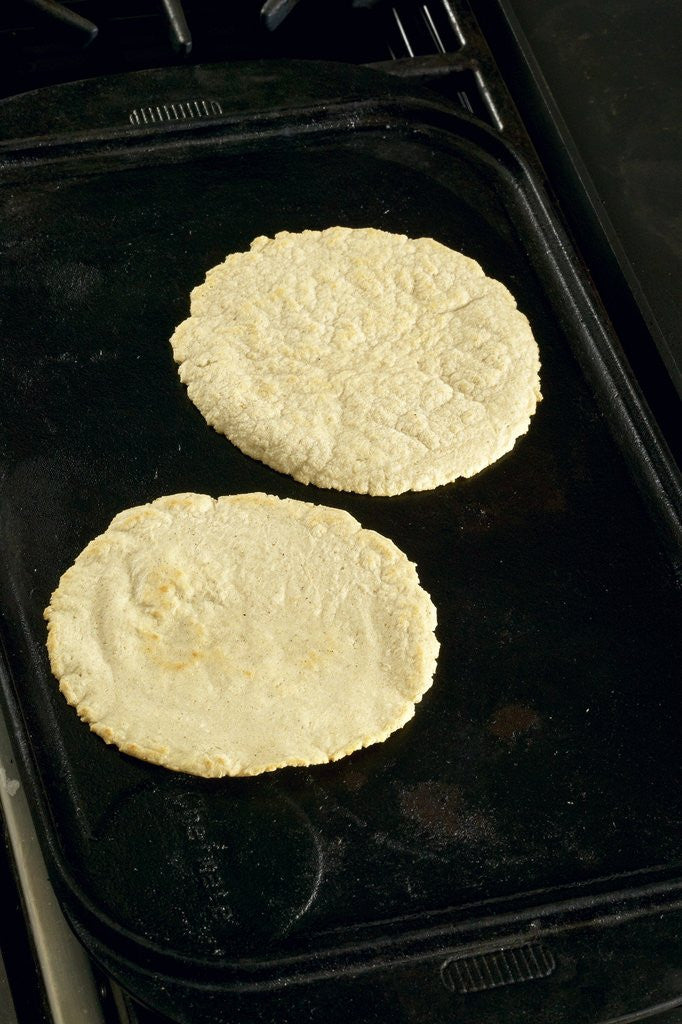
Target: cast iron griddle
column 542, row 765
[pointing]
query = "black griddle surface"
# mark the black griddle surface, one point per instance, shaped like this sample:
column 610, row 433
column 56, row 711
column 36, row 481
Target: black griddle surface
column 543, row 764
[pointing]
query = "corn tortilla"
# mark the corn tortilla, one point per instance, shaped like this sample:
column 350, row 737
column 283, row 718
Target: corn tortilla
column 237, row 635
column 360, row 360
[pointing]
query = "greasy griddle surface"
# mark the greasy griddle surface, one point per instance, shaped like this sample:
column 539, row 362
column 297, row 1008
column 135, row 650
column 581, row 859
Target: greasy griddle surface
column 545, row 752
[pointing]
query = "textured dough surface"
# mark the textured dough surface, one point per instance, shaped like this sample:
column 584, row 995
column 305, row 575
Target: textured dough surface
column 360, row 360
column 237, row 635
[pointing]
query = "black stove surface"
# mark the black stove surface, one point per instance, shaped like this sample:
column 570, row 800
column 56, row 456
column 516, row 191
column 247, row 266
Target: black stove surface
column 613, row 69
column 600, row 91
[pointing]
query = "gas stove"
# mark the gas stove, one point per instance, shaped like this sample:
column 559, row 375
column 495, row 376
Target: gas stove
column 480, row 62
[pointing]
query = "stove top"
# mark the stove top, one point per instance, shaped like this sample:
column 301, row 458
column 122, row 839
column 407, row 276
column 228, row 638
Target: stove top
column 485, row 66
column 42, row 43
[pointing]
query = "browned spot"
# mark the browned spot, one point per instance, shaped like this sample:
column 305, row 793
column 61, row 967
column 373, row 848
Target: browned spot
column 511, row 721
column 443, row 816
column 310, row 660
column 437, row 806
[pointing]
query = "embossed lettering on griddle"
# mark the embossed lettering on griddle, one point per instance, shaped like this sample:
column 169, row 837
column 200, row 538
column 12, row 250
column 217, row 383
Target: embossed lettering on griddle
column 208, row 863
column 250, row 887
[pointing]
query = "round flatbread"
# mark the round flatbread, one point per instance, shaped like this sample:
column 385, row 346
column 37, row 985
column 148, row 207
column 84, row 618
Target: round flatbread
column 360, row 360
column 239, row 635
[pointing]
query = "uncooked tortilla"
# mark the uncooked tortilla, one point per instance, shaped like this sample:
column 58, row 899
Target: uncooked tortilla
column 360, row 360
column 239, row 635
